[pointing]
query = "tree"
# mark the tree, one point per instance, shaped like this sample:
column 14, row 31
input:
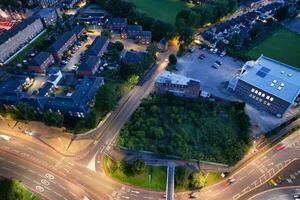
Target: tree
column 106, row 33
column 182, row 176
column 138, row 167
column 26, row 112
column 197, row 180
column 172, row 59
column 119, row 46
column 53, row 119
column 90, row 120
column 106, row 99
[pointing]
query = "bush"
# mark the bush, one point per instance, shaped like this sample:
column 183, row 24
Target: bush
column 53, row 119
column 172, row 59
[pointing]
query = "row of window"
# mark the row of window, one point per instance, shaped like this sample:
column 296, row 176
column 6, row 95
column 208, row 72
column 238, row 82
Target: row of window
column 259, row 93
column 257, row 98
column 175, row 85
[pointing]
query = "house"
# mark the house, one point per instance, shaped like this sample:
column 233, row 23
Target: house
column 78, row 103
column 268, row 84
column 132, row 32
column 98, row 47
column 178, row 85
column 41, row 62
column 145, row 37
column 18, row 36
column 133, row 57
column 89, row 66
column 79, row 31
column 46, row 3
column 47, row 15
column 117, row 24
column 62, row 44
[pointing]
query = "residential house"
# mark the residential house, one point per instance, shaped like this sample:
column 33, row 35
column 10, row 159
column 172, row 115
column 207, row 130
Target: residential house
column 178, row 85
column 62, row 44
column 145, row 37
column 132, row 32
column 131, row 57
column 18, row 36
column 90, row 66
column 117, row 24
column 41, row 62
column 98, row 47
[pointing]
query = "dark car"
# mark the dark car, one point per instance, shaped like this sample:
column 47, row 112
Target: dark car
column 218, row 62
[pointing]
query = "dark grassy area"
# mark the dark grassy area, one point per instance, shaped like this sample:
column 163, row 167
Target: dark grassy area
column 165, row 10
column 152, row 177
column 282, row 45
column 14, row 190
column 190, row 129
column 22, row 55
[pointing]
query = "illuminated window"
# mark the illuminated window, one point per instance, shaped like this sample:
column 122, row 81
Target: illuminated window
column 263, row 95
column 271, row 99
column 259, row 93
column 252, row 90
column 268, row 97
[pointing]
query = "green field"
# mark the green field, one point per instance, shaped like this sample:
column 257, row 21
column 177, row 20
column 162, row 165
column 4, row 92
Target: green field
column 283, row 45
column 165, row 10
column 152, row 177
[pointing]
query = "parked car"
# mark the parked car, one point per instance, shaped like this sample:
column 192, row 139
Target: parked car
column 223, row 53
column 215, row 50
column 219, row 62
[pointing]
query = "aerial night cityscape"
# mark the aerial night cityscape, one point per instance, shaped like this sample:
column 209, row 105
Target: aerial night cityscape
column 149, row 99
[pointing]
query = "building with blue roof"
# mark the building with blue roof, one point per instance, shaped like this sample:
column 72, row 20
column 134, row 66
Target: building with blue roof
column 98, row 47
column 133, row 57
column 269, row 84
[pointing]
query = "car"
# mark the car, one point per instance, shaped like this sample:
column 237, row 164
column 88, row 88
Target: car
column 280, row 147
column 215, row 50
column 28, row 132
column 194, row 195
column 214, row 66
column 223, row 53
column 200, row 57
column 219, row 63
column 32, row 54
column 4, row 137
column 272, row 182
column 211, row 50
column 231, row 180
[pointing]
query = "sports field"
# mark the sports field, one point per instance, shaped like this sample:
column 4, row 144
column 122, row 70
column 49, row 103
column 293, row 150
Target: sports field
column 282, row 45
column 164, row 10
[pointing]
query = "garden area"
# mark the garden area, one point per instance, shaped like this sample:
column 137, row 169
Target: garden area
column 165, row 10
column 282, row 45
column 208, row 131
column 12, row 190
column 137, row 174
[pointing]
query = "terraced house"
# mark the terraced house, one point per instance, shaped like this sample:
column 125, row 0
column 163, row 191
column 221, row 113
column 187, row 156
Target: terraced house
column 17, row 37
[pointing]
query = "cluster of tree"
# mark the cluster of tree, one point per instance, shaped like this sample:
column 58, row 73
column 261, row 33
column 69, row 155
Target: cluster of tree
column 14, row 3
column 131, row 70
column 114, row 52
column 11, row 190
column 190, row 129
column 106, row 99
column 135, row 168
column 200, row 15
column 120, row 8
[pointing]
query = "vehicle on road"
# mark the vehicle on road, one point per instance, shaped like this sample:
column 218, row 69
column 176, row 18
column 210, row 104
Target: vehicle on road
column 4, row 137
column 194, row 195
column 28, row 132
column 219, row 62
column 280, row 147
column 272, row 182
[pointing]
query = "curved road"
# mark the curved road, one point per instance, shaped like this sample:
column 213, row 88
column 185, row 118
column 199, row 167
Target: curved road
column 59, row 177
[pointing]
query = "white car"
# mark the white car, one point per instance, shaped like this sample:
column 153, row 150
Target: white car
column 28, row 132
column 223, row 54
column 215, row 50
column 4, row 137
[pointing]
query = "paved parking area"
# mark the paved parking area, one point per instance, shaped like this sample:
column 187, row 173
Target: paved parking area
column 212, row 80
column 128, row 44
column 76, row 56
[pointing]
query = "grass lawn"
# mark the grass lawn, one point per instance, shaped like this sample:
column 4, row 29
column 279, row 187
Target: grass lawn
column 153, row 177
column 21, row 55
column 165, row 10
column 282, row 45
column 11, row 190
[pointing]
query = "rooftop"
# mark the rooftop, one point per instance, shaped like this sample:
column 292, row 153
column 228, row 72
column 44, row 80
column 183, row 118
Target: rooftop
column 40, row 58
column 89, row 63
column 97, row 46
column 172, row 78
column 274, row 77
column 56, row 46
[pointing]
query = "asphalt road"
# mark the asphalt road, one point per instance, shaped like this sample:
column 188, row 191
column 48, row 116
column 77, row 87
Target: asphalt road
column 255, row 173
column 278, row 193
column 32, row 163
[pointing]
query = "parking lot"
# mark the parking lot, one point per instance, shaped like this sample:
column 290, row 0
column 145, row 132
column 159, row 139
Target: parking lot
column 212, row 80
column 75, row 58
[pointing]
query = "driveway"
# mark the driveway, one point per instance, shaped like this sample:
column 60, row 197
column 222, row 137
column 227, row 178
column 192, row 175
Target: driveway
column 212, row 80
column 76, row 56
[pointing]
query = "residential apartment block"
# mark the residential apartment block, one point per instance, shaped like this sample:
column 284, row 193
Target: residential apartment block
column 41, row 62
column 178, row 85
column 270, row 85
column 98, row 47
column 18, row 36
column 62, row 44
column 117, row 24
